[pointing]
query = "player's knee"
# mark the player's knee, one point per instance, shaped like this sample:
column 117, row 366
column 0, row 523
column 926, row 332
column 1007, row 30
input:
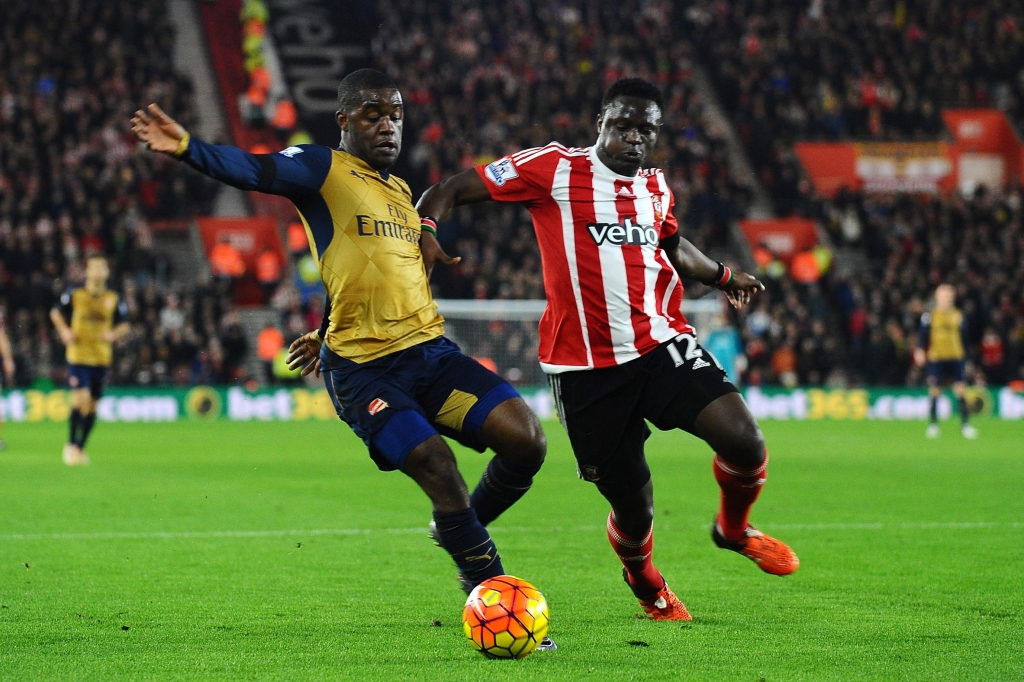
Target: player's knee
column 531, row 445
column 634, row 513
column 523, row 442
column 635, row 521
column 432, row 465
column 430, row 459
column 746, row 448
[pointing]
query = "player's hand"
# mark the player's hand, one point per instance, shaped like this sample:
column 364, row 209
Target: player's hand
column 108, row 336
column 67, row 336
column 742, row 288
column 157, row 130
column 920, row 357
column 433, row 253
column 9, row 369
column 305, row 353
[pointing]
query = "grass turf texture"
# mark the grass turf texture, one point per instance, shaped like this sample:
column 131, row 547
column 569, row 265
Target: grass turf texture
column 123, row 570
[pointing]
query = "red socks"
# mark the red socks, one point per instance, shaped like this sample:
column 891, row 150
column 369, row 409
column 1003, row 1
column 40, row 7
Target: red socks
column 740, row 488
column 635, row 556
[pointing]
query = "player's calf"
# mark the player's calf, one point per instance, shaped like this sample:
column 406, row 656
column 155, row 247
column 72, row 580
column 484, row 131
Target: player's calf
column 456, row 526
column 638, row 570
column 515, row 435
column 631, row 534
column 740, row 488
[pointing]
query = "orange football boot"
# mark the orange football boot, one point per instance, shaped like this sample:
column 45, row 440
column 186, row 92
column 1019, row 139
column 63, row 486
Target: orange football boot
column 662, row 605
column 771, row 555
column 665, row 606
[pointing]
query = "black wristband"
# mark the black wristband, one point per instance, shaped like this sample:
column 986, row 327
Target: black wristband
column 718, row 275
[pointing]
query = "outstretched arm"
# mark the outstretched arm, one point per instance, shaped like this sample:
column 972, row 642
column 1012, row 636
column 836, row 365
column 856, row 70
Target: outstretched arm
column 437, row 203
column 690, row 263
column 458, row 190
column 299, row 170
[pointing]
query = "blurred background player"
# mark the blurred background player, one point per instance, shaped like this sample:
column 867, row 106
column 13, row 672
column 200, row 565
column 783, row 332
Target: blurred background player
column 617, row 350
column 7, row 357
column 89, row 320
column 393, row 376
column 942, row 343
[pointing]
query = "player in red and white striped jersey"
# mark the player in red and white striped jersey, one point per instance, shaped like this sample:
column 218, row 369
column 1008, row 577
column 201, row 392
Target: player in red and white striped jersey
column 613, row 340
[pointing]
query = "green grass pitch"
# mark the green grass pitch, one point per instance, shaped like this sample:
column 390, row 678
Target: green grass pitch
column 278, row 551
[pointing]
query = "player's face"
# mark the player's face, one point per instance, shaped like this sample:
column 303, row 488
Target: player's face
column 627, row 131
column 373, row 131
column 944, row 296
column 97, row 271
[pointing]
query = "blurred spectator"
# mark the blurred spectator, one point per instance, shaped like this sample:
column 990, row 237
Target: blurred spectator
column 226, row 262
column 268, row 272
column 269, row 342
column 298, row 242
column 992, row 356
column 725, row 344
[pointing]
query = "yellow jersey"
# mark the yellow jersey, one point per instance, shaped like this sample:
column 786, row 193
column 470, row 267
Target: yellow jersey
column 363, row 231
column 944, row 332
column 89, row 316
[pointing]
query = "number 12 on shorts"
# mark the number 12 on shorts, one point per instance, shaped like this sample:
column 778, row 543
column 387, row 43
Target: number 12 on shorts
column 691, row 352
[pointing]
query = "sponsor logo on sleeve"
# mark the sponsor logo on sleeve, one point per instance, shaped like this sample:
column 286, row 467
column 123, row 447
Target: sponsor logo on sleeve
column 290, row 152
column 501, row 171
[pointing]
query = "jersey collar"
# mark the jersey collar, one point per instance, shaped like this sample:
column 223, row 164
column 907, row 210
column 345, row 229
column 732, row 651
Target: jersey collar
column 385, row 175
column 603, row 169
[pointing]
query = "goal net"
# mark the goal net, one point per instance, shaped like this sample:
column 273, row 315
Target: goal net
column 502, row 334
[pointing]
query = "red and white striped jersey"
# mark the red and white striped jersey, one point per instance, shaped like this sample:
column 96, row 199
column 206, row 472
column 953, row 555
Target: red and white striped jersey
column 612, row 293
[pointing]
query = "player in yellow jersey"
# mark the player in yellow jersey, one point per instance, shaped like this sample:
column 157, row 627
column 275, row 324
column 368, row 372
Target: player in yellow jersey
column 7, row 357
column 393, row 376
column 89, row 320
column 942, row 344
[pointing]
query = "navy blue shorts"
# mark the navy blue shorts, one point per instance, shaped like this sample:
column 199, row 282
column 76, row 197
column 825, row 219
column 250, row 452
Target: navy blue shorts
column 952, row 370
column 88, row 376
column 396, row 402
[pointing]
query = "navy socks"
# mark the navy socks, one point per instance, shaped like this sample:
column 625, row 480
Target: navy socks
column 501, row 486
column 469, row 544
column 76, row 422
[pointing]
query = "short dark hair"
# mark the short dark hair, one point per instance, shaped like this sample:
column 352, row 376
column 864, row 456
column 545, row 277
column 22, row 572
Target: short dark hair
column 353, row 86
column 634, row 87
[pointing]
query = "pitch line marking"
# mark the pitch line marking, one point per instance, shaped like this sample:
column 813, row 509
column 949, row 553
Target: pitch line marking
column 200, row 534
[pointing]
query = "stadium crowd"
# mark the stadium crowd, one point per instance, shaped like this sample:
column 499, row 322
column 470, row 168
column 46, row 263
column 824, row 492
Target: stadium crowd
column 73, row 184
column 826, row 69
column 913, row 245
column 485, row 80
column 859, row 325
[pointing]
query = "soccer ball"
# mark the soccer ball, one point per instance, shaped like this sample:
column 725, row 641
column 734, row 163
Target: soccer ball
column 505, row 617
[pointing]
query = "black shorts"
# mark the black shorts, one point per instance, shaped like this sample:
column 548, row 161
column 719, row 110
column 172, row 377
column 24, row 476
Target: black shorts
column 92, row 377
column 396, row 402
column 941, row 370
column 604, row 410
